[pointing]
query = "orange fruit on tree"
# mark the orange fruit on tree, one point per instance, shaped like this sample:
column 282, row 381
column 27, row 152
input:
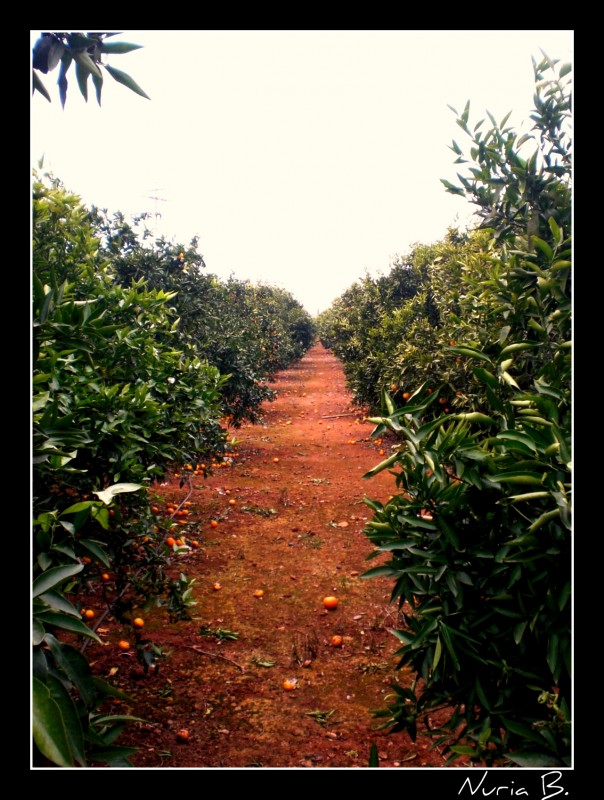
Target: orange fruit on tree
column 86, row 560
column 406, row 395
column 138, row 622
column 105, row 576
column 330, row 601
column 88, row 613
column 123, row 645
column 170, row 541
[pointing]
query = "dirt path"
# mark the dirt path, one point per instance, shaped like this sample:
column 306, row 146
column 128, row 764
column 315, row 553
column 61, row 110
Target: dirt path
column 290, row 523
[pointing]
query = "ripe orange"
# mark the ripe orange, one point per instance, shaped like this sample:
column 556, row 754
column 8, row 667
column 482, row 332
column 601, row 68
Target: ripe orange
column 217, row 587
column 123, row 645
column 289, row 684
column 138, row 622
column 406, row 395
column 259, row 593
column 170, row 541
column 276, row 460
column 105, row 576
column 179, row 543
column 330, row 602
column 336, row 641
column 214, row 523
column 88, row 613
column 183, row 735
column 86, row 560
column 194, row 543
column 232, row 502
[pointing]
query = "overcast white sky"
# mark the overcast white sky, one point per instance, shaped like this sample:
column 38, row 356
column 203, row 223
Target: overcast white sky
column 300, row 158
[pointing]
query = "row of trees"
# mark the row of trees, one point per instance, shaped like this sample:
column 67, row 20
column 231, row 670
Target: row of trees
column 465, row 349
column 141, row 363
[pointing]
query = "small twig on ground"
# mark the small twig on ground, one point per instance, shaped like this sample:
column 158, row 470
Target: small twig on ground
column 214, row 655
column 333, row 416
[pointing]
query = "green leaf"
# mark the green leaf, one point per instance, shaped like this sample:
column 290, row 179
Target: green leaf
column 556, row 232
column 97, row 80
column 53, row 577
column 379, row 572
column 521, row 730
column 474, row 416
column 466, row 113
column 534, row 758
column 382, row 466
column 449, row 644
column 565, row 69
column 509, row 380
column 96, row 550
column 118, row 488
column 37, row 633
column 486, row 377
column 564, row 596
column 519, row 437
column 58, row 602
column 125, row 80
column 86, row 63
column 82, row 76
column 48, row 729
column 437, row 653
column 78, row 507
column 468, row 351
column 543, row 246
column 79, row 42
column 517, row 476
column 75, row 666
column 517, row 346
column 67, row 623
column 62, row 79
column 374, row 759
column 71, row 718
column 118, row 47
column 548, row 516
column 38, row 86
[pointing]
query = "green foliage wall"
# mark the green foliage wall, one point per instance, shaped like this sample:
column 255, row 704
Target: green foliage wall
column 477, row 540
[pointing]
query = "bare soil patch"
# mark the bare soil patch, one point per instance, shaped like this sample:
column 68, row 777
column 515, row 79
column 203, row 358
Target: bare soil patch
column 290, row 516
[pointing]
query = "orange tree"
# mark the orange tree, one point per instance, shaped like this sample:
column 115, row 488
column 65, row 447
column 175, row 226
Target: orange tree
column 116, row 399
column 248, row 332
column 123, row 390
column 479, row 535
column 391, row 332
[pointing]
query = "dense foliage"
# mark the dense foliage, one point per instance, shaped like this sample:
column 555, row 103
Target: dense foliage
column 474, row 373
column 140, row 361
